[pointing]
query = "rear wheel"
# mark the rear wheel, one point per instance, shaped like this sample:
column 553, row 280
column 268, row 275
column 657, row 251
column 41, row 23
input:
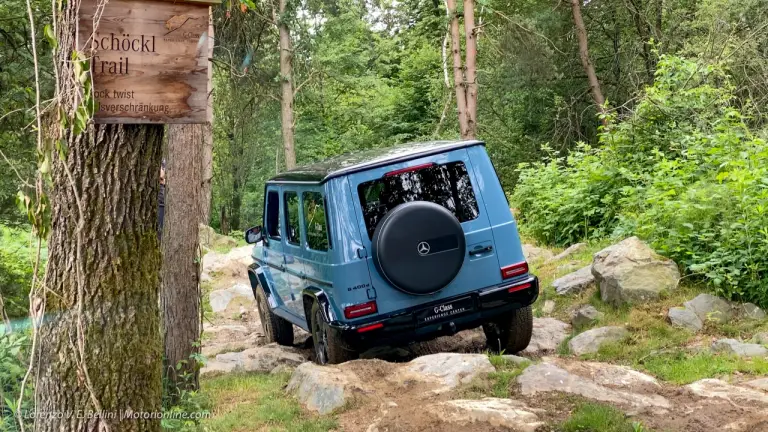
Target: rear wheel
column 329, row 347
column 276, row 329
column 510, row 333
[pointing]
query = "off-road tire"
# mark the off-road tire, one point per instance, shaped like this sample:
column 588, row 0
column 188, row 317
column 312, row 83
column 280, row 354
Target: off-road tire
column 329, row 348
column 510, row 333
column 276, row 329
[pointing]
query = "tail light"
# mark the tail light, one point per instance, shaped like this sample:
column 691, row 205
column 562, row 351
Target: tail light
column 359, row 310
column 409, row 169
column 513, row 270
column 370, row 327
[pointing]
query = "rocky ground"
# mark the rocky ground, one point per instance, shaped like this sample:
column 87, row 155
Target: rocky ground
column 615, row 333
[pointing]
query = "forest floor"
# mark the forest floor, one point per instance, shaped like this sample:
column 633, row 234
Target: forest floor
column 656, row 386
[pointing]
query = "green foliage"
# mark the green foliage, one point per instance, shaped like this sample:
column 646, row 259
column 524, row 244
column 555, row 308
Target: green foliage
column 14, row 354
column 17, row 254
column 684, row 171
column 592, row 417
column 184, row 406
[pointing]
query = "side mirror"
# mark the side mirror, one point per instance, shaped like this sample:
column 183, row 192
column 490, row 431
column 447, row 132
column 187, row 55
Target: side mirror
column 254, row 235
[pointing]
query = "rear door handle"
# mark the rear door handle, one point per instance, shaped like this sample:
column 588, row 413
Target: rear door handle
column 480, row 251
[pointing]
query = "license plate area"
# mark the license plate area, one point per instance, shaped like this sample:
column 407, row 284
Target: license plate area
column 446, row 310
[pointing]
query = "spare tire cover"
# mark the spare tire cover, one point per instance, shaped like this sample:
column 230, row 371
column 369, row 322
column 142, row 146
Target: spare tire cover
column 418, row 247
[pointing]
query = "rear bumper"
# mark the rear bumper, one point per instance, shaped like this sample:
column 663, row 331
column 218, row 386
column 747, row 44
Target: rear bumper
column 402, row 327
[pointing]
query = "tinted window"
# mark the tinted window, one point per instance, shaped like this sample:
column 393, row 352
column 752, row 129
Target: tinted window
column 447, row 185
column 291, row 200
column 273, row 215
column 315, row 222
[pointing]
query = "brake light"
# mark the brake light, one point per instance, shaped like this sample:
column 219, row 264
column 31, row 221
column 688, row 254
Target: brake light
column 514, row 270
column 517, row 288
column 370, row 327
column 359, row 310
column 409, row 169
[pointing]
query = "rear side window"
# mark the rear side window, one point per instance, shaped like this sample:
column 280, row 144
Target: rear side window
column 315, row 221
column 273, row 215
column 447, row 185
column 291, row 200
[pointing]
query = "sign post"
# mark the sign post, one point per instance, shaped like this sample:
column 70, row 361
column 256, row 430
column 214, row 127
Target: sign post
column 149, row 59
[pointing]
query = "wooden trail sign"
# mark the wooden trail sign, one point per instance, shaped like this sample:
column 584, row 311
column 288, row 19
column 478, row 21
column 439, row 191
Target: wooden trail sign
column 149, row 60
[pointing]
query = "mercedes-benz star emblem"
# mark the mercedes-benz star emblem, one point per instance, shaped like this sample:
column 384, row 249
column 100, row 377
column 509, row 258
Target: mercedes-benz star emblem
column 423, row 248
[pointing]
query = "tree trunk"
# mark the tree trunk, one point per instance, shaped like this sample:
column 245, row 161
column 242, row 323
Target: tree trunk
column 458, row 72
column 205, row 190
column 180, row 291
column 581, row 32
column 471, row 79
column 286, row 86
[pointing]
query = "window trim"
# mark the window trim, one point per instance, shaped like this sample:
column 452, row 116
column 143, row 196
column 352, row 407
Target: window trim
column 286, row 217
column 266, row 216
column 327, row 224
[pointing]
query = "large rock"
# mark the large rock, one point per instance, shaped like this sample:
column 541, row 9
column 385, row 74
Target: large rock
column 575, row 282
column 591, row 340
column 761, row 338
column 446, row 370
column 259, row 359
column 231, row 299
column 505, row 413
column 548, row 334
column 607, row 374
column 750, row 311
column 631, row 272
column 324, row 388
column 534, row 253
column 710, row 308
column 760, row 384
column 211, row 239
column 741, row 349
column 546, row 377
column 585, row 316
column 715, row 388
column 572, row 249
column 684, row 317
column 233, row 263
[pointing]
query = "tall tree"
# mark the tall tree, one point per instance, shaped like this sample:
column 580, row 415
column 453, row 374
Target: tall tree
column 286, row 83
column 180, row 292
column 458, row 69
column 101, row 351
column 470, row 35
column 589, row 68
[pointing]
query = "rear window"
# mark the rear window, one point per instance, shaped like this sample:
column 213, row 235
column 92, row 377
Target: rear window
column 447, row 185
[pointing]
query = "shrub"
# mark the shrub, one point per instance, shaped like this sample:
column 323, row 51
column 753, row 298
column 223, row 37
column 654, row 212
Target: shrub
column 683, row 172
column 14, row 353
column 16, row 267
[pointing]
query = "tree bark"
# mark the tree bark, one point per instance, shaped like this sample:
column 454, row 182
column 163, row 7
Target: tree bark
column 205, row 190
column 100, row 348
column 180, row 291
column 286, row 87
column 581, row 33
column 458, row 72
column 471, row 78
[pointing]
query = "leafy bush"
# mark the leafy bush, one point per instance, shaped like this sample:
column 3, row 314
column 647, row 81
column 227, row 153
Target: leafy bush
column 16, row 267
column 14, row 352
column 683, row 172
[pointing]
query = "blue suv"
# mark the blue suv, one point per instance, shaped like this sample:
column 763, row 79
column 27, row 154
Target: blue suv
column 391, row 246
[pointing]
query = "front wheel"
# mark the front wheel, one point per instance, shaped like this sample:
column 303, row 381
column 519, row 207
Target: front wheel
column 329, row 347
column 510, row 333
column 276, row 329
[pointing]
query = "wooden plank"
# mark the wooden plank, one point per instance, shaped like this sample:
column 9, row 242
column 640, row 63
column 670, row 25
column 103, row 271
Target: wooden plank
column 149, row 62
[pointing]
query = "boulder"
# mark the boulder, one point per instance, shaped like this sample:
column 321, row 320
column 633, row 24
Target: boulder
column 631, row 272
column 547, row 377
column 231, row 299
column 534, row 253
column 710, row 308
column 685, row 318
column 741, row 349
column 750, row 311
column 324, row 388
column 502, row 413
column 585, row 316
column 572, row 249
column 591, row 340
column 607, row 374
column 575, row 282
column 760, row 384
column 549, row 307
column 447, row 370
column 233, row 263
column 548, row 334
column 760, row 338
column 260, row 359
column 715, row 388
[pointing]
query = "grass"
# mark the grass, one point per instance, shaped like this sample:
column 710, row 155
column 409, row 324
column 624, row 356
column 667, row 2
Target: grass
column 685, row 368
column 254, row 402
column 497, row 384
column 592, row 417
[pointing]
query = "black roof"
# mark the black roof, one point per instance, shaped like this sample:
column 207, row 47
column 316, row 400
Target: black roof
column 321, row 172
